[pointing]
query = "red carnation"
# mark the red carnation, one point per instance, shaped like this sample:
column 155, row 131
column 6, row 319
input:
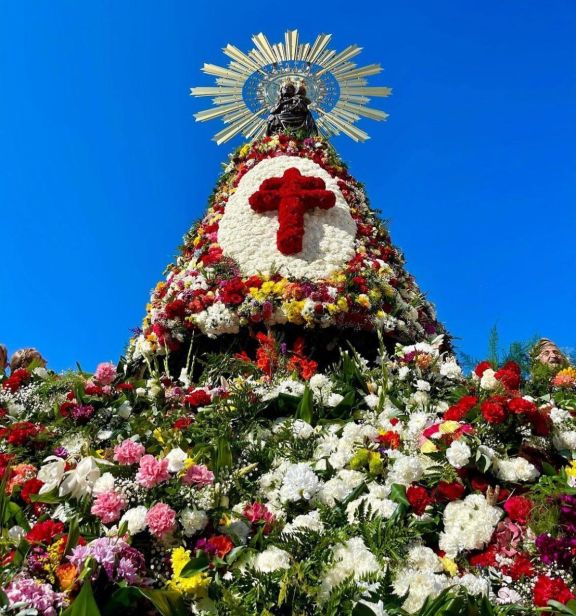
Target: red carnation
column 481, row 367
column 509, row 375
column 450, row 491
column 418, row 498
column 493, row 411
column 458, row 411
column 20, row 433
column 484, row 559
column 175, row 309
column 520, row 406
column 518, row 508
column 32, row 486
column 547, row 588
column 182, row 423
column 16, row 380
column 44, row 532
column 521, row 567
column 90, row 389
column 198, row 397
column 233, row 291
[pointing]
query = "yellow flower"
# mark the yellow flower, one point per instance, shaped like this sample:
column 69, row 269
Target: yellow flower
column 244, row 150
column 447, row 427
column 196, row 584
column 293, row 311
column 571, row 470
column 342, row 304
column 449, row 565
column 363, row 300
column 375, row 294
column 428, row 446
column 157, row 434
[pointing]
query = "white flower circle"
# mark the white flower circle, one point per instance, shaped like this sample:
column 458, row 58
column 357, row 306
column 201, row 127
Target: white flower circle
column 249, row 237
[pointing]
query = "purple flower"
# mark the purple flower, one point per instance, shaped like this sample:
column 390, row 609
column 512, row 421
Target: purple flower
column 34, row 594
column 61, row 452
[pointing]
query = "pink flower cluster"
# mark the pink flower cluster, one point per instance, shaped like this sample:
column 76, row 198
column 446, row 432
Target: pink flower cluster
column 152, row 471
column 108, row 506
column 161, row 519
column 128, row 452
column 32, row 594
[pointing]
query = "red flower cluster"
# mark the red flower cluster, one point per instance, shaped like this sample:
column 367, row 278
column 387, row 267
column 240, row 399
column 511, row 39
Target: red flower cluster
column 44, row 532
column 547, row 588
column 16, row 380
column 458, row 411
column 518, row 508
column 20, row 433
column 419, row 498
column 197, row 397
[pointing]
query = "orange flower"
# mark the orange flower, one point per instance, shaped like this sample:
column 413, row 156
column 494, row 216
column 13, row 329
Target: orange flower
column 66, row 574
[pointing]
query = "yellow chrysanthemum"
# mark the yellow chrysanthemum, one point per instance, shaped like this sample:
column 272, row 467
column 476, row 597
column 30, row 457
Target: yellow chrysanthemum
column 571, row 470
column 293, row 311
column 342, row 304
column 363, row 300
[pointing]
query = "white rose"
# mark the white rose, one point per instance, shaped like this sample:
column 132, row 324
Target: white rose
column 488, row 381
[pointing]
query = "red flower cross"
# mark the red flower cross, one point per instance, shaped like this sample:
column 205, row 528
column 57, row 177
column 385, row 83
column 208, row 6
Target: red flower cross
column 292, row 195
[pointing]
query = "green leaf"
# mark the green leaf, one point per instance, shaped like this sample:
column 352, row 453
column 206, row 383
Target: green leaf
column 20, row 553
column 50, row 498
column 569, row 608
column 73, row 535
column 223, row 454
column 305, row 409
column 167, row 602
column 361, row 609
column 84, row 604
column 398, row 494
column 195, row 565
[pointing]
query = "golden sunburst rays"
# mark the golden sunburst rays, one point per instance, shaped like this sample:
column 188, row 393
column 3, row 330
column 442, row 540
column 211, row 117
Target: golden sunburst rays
column 248, row 87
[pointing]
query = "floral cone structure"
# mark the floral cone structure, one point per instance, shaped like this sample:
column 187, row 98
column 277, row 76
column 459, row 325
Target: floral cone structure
column 288, row 434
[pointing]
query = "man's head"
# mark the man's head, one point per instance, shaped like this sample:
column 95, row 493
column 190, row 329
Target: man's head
column 23, row 358
column 546, row 352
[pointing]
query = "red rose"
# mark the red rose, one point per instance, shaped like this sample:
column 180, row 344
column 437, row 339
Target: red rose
column 44, row 532
column 520, row 406
column 418, row 498
column 493, row 411
column 481, row 367
column 518, row 508
column 547, row 588
column 450, row 491
column 182, row 423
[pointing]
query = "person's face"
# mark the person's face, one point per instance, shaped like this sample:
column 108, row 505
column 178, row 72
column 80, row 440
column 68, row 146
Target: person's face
column 550, row 355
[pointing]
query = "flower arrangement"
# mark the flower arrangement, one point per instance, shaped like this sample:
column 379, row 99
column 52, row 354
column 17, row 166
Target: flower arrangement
column 394, row 487
column 232, row 273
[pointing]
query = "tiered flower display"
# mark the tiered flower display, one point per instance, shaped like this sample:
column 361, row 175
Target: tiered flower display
column 263, row 480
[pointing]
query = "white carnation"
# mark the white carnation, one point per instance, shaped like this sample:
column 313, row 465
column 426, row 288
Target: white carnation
column 105, row 483
column 299, row 482
column 515, row 469
column 272, row 559
column 135, row 519
column 176, row 458
column 340, row 486
column 488, row 381
column 458, row 454
column 450, row 369
column 193, row 521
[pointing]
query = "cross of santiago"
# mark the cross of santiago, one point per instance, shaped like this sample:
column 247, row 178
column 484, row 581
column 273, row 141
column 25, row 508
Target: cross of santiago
column 292, row 195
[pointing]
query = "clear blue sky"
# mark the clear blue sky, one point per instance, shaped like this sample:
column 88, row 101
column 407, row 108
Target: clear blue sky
column 103, row 169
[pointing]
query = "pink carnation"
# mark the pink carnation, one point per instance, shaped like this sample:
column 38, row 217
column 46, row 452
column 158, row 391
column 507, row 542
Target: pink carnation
column 105, row 373
column 198, row 475
column 128, row 452
column 257, row 512
column 161, row 519
column 108, row 506
column 152, row 471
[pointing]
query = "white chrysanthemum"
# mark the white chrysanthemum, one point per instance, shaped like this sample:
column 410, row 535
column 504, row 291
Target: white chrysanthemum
column 458, row 454
column 135, row 519
column 371, row 400
column 515, row 469
column 249, row 237
column 302, row 429
column 272, row 559
column 450, row 369
column 193, row 520
column 308, row 521
column 299, row 482
column 351, row 559
column 422, row 385
column 176, row 458
column 340, row 486
column 468, row 524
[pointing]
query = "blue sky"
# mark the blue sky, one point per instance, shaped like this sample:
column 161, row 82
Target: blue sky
column 103, row 169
